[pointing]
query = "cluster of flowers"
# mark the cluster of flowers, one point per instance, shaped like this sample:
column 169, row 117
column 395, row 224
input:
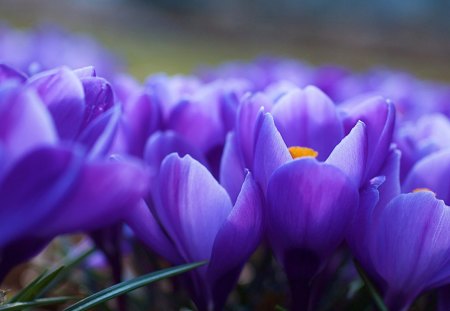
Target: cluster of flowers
column 211, row 166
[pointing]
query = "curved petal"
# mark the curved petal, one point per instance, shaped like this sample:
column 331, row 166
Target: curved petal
column 99, row 98
column 232, row 171
column 99, row 135
column 191, row 206
column 161, row 144
column 199, row 121
column 29, row 194
column 148, row 230
column 308, row 118
column 142, row 117
column 62, row 92
column 85, row 72
column 357, row 235
column 390, row 188
column 416, row 140
column 25, row 123
column 270, row 151
column 236, row 240
column 410, row 246
column 247, row 116
column 310, row 205
column 350, row 154
column 104, row 194
column 8, row 73
column 379, row 116
column 431, row 172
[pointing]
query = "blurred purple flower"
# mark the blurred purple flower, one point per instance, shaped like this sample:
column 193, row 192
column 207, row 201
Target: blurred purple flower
column 195, row 116
column 47, row 47
column 56, row 129
column 421, row 138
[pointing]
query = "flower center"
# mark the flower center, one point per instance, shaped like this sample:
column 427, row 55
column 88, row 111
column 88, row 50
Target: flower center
column 300, row 152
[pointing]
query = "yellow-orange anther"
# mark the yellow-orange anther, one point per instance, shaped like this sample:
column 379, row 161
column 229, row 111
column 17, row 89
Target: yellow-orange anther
column 300, row 152
column 423, row 189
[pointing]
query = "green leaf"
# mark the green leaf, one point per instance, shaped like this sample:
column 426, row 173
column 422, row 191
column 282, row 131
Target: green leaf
column 35, row 303
column 68, row 266
column 371, row 288
column 34, row 288
column 127, row 286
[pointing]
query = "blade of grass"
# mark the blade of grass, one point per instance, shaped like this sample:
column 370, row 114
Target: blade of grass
column 127, row 286
column 35, row 303
column 65, row 272
column 34, row 288
column 18, row 296
column 371, row 288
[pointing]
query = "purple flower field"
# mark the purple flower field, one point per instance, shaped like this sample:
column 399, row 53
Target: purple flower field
column 293, row 186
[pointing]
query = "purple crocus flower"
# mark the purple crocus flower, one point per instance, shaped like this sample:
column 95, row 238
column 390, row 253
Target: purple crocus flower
column 309, row 203
column 302, row 235
column 402, row 240
column 306, row 118
column 409, row 244
column 56, row 128
column 193, row 219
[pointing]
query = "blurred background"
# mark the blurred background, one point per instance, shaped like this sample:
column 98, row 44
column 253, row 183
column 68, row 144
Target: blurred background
column 180, row 35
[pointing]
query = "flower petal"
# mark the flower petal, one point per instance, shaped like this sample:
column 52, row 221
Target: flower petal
column 142, row 117
column 62, row 92
column 85, row 72
column 236, row 240
column 191, row 206
column 410, row 246
column 99, row 98
column 8, row 74
column 350, row 154
column 161, row 144
column 146, row 228
column 103, row 195
column 199, row 121
column 431, row 172
column 247, row 116
column 30, row 198
column 379, row 116
column 270, row 151
column 99, row 135
column 310, row 205
column 232, row 171
column 25, row 123
column 308, row 118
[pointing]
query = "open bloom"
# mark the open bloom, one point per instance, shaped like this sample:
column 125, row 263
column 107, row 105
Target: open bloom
column 304, row 118
column 193, row 219
column 309, row 203
column 55, row 131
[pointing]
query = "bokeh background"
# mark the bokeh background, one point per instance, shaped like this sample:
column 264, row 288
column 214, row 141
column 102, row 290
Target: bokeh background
column 178, row 36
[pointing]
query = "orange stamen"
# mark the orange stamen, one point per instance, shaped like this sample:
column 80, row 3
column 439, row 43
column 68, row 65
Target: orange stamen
column 300, row 152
